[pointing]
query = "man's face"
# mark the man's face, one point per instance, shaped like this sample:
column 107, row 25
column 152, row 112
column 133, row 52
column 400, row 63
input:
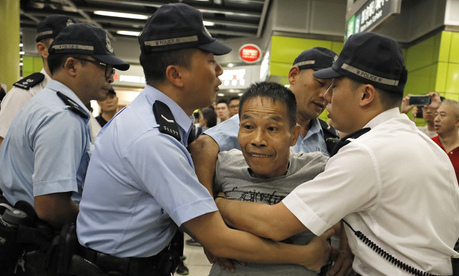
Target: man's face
column 446, row 121
column 95, row 84
column 428, row 113
column 110, row 104
column 201, row 79
column 265, row 136
column 222, row 111
column 233, row 107
column 343, row 103
column 309, row 93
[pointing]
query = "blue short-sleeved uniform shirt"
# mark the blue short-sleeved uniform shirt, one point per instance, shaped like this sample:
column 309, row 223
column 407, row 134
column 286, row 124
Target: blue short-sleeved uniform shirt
column 140, row 183
column 225, row 134
column 46, row 149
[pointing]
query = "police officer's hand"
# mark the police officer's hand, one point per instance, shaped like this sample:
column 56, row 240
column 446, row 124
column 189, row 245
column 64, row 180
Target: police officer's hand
column 321, row 248
column 223, row 263
column 227, row 264
column 342, row 265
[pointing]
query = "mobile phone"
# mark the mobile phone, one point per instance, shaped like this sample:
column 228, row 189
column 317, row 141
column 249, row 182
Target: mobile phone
column 419, row 100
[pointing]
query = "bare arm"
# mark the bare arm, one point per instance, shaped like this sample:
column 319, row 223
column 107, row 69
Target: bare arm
column 56, row 209
column 204, row 151
column 342, row 257
column 221, row 241
column 275, row 222
column 1, row 141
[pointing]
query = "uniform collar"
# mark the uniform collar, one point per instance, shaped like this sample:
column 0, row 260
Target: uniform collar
column 58, row 86
column 384, row 116
column 47, row 77
column 315, row 128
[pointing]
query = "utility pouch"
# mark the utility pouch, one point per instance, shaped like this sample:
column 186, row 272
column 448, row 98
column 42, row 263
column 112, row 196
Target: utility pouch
column 10, row 249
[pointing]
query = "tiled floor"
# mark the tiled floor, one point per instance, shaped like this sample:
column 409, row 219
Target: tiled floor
column 196, row 260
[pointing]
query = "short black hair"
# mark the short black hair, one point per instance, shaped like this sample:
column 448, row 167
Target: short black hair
column 389, row 99
column 57, row 61
column 209, row 114
column 154, row 64
column 274, row 91
column 222, row 101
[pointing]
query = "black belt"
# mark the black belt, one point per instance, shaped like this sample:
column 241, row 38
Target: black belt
column 124, row 266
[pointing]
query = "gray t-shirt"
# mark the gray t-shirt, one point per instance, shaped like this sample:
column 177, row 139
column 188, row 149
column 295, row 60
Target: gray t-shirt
column 233, row 178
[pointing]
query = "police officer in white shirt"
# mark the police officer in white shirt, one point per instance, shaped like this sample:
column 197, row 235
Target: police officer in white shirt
column 388, row 180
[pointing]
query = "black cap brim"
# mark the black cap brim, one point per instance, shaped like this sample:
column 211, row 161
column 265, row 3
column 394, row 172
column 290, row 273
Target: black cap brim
column 327, row 73
column 113, row 61
column 215, row 47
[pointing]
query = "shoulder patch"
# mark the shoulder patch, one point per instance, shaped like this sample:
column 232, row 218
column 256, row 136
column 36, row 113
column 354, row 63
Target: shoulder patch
column 345, row 140
column 166, row 120
column 329, row 131
column 30, row 81
column 74, row 107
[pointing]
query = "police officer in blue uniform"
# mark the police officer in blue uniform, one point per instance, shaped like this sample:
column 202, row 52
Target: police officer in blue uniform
column 141, row 185
column 44, row 156
column 24, row 89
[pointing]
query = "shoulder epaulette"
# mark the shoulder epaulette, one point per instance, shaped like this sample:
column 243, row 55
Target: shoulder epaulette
column 345, row 140
column 74, row 107
column 30, row 81
column 166, row 120
column 329, row 131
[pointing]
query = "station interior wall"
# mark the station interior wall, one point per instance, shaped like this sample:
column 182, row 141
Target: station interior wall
column 428, row 41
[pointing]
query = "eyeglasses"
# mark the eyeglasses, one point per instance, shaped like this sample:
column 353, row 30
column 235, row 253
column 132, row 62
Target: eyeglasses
column 109, row 70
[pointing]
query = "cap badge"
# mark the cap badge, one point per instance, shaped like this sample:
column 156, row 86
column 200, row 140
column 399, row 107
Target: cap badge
column 109, row 43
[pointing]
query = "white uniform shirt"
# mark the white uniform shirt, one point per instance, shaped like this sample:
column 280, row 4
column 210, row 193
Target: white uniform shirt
column 15, row 99
column 395, row 186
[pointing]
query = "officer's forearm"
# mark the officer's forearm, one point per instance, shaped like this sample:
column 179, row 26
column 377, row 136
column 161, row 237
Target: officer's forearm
column 56, row 209
column 204, row 151
column 274, row 222
column 221, row 241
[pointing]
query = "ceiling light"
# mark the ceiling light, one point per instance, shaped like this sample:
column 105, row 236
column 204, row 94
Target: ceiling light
column 208, row 23
column 122, row 14
column 230, row 65
column 130, row 33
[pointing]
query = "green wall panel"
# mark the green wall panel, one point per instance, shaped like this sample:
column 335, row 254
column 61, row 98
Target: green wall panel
column 421, row 54
column 421, row 81
column 31, row 65
column 444, row 46
column 452, row 78
column 441, row 76
column 286, row 49
column 454, row 53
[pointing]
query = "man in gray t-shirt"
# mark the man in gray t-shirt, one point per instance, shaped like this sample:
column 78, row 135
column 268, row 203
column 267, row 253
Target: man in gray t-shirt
column 265, row 170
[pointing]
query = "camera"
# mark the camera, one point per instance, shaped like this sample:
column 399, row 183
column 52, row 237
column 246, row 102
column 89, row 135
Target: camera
column 419, row 100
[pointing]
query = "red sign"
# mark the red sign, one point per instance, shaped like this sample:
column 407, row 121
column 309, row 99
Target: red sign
column 250, row 53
